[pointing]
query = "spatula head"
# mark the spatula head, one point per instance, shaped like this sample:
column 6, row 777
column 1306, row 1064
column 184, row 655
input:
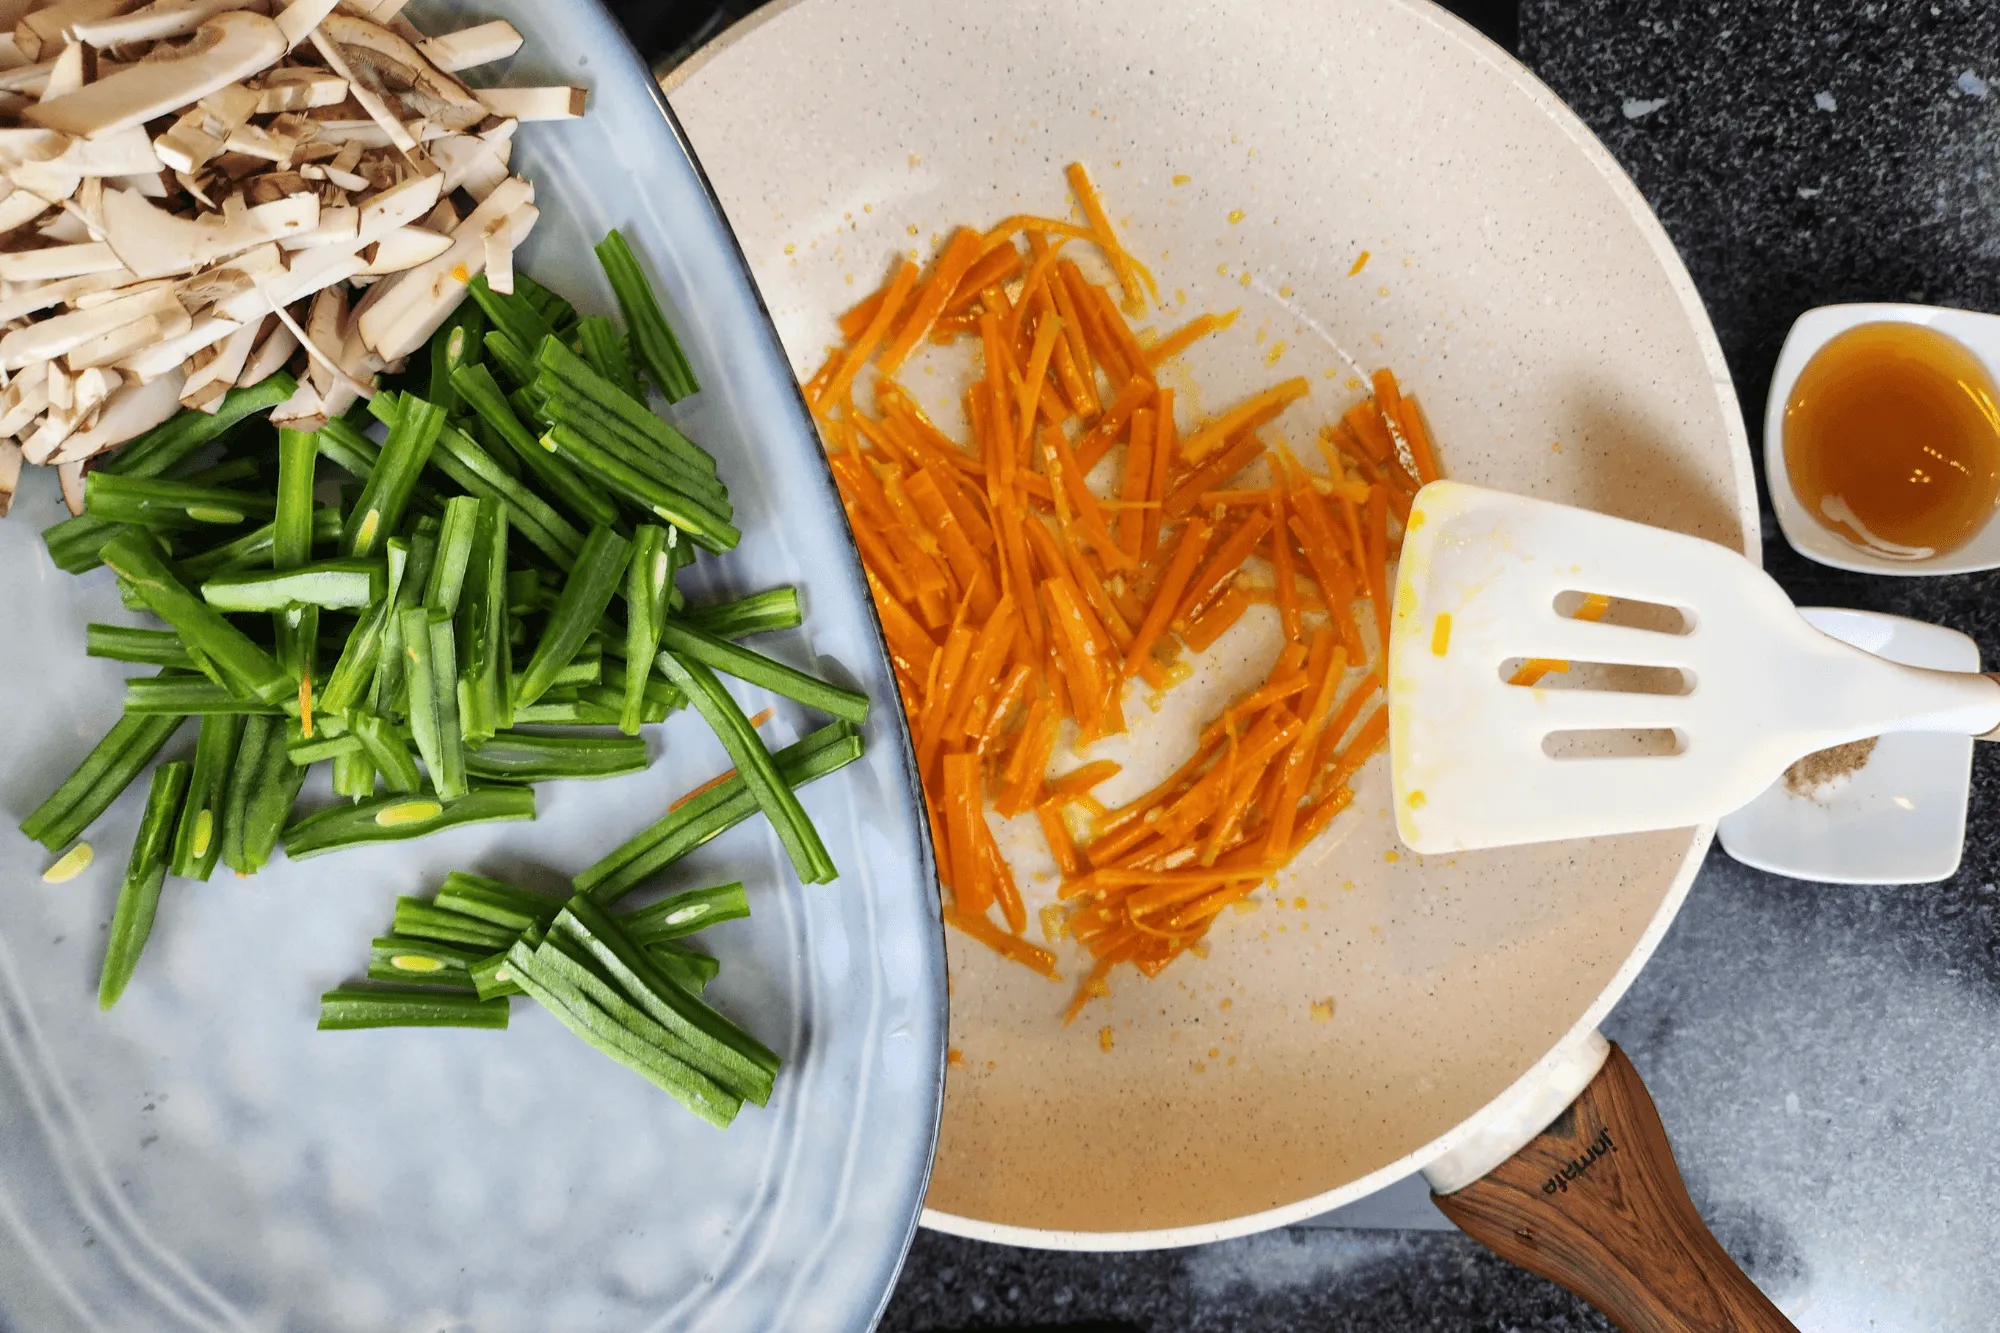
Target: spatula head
column 1489, row 581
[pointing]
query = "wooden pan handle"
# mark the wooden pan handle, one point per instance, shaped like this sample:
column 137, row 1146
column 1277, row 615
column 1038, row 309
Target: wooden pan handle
column 1596, row 1203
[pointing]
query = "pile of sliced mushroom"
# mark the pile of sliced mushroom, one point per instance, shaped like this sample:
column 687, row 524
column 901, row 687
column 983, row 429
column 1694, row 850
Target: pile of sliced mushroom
column 195, row 193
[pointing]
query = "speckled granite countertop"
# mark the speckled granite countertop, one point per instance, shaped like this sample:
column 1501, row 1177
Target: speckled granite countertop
column 1823, row 1058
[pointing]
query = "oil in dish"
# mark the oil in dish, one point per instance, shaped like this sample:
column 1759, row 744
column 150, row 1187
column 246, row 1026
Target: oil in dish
column 1892, row 440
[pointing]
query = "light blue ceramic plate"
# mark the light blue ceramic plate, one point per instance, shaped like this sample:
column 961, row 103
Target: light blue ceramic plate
column 202, row 1159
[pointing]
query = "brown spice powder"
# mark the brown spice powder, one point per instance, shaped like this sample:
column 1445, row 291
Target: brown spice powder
column 1806, row 777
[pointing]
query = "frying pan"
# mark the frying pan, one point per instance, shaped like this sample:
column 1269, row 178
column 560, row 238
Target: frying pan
column 1367, row 179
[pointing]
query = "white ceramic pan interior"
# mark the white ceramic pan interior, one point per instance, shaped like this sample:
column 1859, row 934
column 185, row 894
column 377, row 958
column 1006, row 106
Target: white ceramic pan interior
column 1352, row 1029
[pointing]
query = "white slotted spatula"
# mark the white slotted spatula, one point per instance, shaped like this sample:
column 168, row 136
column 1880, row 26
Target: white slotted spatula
column 1481, row 579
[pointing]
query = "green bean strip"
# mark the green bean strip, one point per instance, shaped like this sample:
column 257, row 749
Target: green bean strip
column 476, row 386
column 510, row 313
column 648, row 579
column 387, row 751
column 486, row 676
column 685, row 913
column 569, row 369
column 342, row 444
column 701, row 646
column 407, row 959
column 459, row 341
column 586, row 668
column 198, row 837
column 575, row 1010
column 636, row 448
column 253, row 549
column 652, row 337
column 512, row 357
column 227, row 654
column 450, row 778
column 386, row 693
column 421, row 695
column 304, row 753
column 400, row 818
column 291, row 548
column 455, row 540
column 229, row 472
column 495, row 901
column 709, row 531
column 359, row 660
column 336, row 585
column 379, row 512
column 245, row 772
column 720, row 808
column 551, row 712
column 270, row 805
column 558, row 312
column 759, row 613
column 516, row 756
column 354, row 775
column 600, row 567
column 753, row 763
column 171, row 506
column 483, row 475
column 684, row 967
column 74, row 543
column 139, row 895
column 188, row 696
column 423, row 919
column 352, row 1008
column 99, row 780
column 720, row 1049
column 491, row 978
column 609, row 353
column 145, row 647
column 657, row 698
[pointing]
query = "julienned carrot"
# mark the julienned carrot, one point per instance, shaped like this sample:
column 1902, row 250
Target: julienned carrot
column 1245, row 416
column 1187, row 335
column 864, row 346
column 958, row 256
column 1016, row 600
column 1531, row 671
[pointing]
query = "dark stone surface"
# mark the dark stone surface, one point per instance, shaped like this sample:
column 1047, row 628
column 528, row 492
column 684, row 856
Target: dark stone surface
column 1818, row 1054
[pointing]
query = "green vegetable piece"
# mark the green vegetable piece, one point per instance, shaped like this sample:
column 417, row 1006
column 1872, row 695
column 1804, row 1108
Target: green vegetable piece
column 253, row 549
column 700, row 818
column 449, row 777
column 753, row 763
column 245, row 773
column 322, row 748
column 198, row 835
column 609, row 353
column 653, row 338
column 402, row 817
column 638, row 447
column 455, row 540
column 270, row 803
column 717, row 1047
column 649, row 578
column 483, row 475
column 511, row 313
column 386, row 751
column 151, row 647
column 685, row 913
column 342, row 444
column 336, row 585
column 645, row 493
column 361, row 657
column 291, row 549
column 170, row 506
column 486, row 676
column 502, row 904
column 378, row 514
column 517, row 756
column 722, row 655
column 139, row 895
column 184, row 695
column 100, row 779
column 422, row 919
column 684, row 967
column 225, row 652
column 386, row 694
column 422, row 695
column 413, row 961
column 459, row 341
column 759, row 613
column 550, row 987
column 475, row 384
column 352, row 1007
column 354, row 776
column 600, row 567
column 491, row 978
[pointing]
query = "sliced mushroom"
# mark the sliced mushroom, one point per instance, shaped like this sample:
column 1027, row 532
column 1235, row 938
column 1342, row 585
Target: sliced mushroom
column 19, row 207
column 299, row 88
column 298, row 19
column 154, row 243
column 386, row 64
column 472, row 47
column 219, row 371
column 270, row 355
column 470, row 163
column 55, row 337
column 535, row 103
column 36, row 297
column 398, row 206
column 337, row 227
column 325, row 329
column 303, row 411
column 58, row 261
column 159, row 358
column 43, row 31
column 227, row 48
column 405, row 248
column 114, row 345
column 151, row 23
column 27, row 79
column 10, row 50
column 71, row 477
column 25, row 398
column 398, row 321
column 130, row 413
column 67, row 74
column 10, row 474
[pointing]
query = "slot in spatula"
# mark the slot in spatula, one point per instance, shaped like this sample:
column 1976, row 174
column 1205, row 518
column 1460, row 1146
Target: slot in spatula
column 1490, row 583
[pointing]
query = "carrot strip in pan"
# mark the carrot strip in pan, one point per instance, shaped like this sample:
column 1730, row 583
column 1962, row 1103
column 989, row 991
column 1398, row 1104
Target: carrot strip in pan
column 864, row 346
column 1187, row 335
column 951, row 266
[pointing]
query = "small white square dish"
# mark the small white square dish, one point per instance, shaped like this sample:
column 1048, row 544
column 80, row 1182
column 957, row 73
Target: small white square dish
column 1897, row 819
column 1808, row 536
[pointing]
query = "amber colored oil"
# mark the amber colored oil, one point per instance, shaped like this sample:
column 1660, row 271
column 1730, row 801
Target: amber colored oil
column 1892, row 440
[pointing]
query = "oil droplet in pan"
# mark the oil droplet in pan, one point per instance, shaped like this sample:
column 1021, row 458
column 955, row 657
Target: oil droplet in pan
column 1892, row 440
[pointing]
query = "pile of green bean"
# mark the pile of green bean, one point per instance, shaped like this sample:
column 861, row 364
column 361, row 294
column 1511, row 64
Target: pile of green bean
column 504, row 561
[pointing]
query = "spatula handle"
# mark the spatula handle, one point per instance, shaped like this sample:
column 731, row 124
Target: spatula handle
column 1595, row 1203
